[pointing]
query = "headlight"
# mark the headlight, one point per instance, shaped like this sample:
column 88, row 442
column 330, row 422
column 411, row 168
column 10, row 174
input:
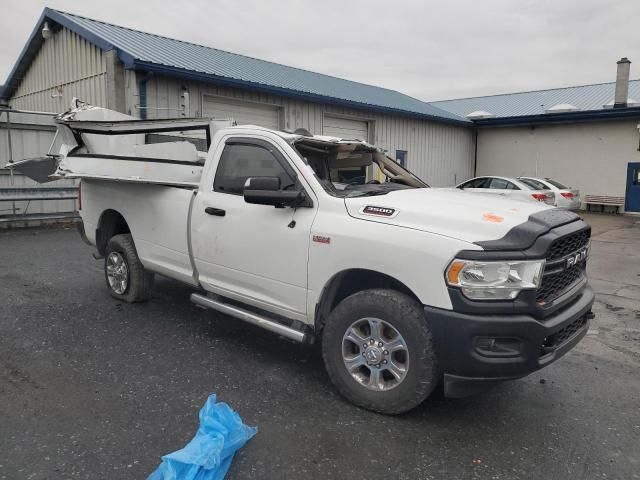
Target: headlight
column 494, row 280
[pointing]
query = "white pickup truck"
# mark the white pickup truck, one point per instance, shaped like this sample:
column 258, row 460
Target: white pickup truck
column 315, row 237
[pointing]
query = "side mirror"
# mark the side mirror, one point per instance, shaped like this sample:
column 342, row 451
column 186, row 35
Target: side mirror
column 267, row 191
column 270, row 184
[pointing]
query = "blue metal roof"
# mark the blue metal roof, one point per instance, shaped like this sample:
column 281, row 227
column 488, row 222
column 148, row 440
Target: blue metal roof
column 148, row 52
column 585, row 97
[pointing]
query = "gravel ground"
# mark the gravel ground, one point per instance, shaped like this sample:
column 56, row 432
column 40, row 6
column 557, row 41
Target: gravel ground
column 92, row 388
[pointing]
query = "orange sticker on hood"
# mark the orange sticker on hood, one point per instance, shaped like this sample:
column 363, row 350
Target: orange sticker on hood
column 492, row 217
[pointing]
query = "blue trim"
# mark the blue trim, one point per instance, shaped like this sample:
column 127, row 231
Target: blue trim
column 142, row 94
column 632, row 192
column 309, row 97
column 35, row 41
column 401, row 157
column 74, row 27
column 128, row 60
column 630, row 113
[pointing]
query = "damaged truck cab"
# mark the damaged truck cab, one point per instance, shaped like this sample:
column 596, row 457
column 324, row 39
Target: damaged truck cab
column 316, row 237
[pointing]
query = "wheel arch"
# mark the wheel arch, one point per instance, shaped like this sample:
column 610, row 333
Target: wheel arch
column 111, row 223
column 350, row 281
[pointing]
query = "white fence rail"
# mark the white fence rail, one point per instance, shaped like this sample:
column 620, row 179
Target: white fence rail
column 24, row 202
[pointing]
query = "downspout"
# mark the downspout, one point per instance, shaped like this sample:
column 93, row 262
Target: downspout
column 142, row 94
column 535, row 145
column 10, row 147
column 475, row 153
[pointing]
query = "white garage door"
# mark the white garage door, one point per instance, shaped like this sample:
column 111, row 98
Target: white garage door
column 345, row 128
column 244, row 113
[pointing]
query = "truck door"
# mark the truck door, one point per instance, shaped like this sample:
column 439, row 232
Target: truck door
column 252, row 253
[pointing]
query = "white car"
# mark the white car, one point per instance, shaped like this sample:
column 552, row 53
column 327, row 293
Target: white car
column 513, row 188
column 566, row 197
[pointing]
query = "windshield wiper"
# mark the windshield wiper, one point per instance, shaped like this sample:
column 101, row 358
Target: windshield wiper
column 378, row 192
column 372, row 193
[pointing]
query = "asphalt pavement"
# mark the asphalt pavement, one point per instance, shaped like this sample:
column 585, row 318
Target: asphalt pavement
column 94, row 388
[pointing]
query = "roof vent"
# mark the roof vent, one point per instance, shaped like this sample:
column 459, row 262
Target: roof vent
column 630, row 103
column 561, row 108
column 480, row 114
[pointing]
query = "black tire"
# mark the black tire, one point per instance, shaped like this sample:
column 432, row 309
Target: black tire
column 139, row 281
column 405, row 315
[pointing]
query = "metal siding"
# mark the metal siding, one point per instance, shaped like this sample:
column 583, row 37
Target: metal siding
column 345, row 128
column 131, row 97
column 29, row 143
column 261, row 114
column 439, row 153
column 67, row 61
column 592, row 157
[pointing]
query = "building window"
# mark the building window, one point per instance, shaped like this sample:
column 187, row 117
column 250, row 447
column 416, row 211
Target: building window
column 401, row 158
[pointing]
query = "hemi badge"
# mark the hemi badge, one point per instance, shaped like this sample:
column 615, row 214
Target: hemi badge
column 321, row 239
column 379, row 211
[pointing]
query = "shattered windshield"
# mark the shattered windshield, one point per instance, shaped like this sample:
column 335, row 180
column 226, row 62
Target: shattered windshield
column 355, row 169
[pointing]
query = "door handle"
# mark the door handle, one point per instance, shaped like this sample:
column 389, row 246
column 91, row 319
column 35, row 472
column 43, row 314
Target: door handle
column 218, row 212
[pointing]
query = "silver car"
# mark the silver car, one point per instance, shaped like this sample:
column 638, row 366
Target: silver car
column 566, row 197
column 512, row 188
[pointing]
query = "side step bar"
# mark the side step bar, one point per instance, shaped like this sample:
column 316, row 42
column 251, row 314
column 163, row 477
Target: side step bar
column 249, row 317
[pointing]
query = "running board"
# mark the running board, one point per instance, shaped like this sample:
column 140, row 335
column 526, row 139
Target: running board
column 249, row 317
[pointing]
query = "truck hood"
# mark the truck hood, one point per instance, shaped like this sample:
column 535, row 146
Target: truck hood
column 471, row 217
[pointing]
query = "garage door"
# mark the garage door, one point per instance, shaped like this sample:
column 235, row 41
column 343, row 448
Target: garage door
column 345, row 128
column 242, row 112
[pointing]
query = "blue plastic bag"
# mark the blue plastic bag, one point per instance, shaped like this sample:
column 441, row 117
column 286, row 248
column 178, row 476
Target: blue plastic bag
column 208, row 455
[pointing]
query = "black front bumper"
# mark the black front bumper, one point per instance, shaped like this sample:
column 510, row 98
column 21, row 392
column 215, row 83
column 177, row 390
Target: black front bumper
column 477, row 350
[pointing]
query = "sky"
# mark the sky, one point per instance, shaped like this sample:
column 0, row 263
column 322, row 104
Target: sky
column 431, row 50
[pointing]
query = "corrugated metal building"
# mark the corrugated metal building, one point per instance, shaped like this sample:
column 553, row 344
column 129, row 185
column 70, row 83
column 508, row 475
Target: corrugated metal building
column 151, row 76
column 574, row 135
column 29, row 135
column 524, row 105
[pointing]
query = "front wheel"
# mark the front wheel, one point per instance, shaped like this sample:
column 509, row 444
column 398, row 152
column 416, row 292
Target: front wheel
column 378, row 351
column 126, row 278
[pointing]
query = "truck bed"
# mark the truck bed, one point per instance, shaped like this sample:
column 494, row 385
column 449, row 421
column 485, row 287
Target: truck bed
column 100, row 144
column 158, row 216
column 131, row 169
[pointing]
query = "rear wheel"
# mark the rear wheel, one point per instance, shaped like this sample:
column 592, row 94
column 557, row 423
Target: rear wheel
column 126, row 278
column 378, row 351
